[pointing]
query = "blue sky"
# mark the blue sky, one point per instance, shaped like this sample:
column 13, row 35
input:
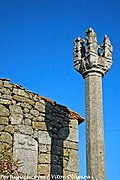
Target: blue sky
column 36, row 51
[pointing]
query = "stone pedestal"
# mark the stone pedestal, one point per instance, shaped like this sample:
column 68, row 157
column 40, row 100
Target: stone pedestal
column 92, row 62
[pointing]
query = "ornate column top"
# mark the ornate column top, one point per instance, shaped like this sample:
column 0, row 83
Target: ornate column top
column 91, row 57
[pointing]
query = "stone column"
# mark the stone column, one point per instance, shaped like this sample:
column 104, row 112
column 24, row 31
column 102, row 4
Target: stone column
column 93, row 62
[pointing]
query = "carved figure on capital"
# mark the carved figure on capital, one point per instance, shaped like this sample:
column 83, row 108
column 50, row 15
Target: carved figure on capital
column 79, row 53
column 107, row 48
column 89, row 56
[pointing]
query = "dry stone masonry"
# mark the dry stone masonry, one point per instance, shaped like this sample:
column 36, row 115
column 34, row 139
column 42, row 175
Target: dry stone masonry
column 93, row 62
column 43, row 134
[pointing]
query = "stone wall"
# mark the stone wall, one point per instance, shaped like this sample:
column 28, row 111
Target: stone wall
column 43, row 134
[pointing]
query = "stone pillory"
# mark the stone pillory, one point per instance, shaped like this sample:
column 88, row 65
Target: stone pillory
column 93, row 62
column 38, row 132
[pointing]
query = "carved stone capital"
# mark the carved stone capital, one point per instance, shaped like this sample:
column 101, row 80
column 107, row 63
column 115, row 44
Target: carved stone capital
column 90, row 57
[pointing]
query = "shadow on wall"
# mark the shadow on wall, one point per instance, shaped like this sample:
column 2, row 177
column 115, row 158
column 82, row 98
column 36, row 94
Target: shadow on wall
column 57, row 122
column 45, row 134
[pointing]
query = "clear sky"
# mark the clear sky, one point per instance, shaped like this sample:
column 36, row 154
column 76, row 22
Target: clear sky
column 36, row 51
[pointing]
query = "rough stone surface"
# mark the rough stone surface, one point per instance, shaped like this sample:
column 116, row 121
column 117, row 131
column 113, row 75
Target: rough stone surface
column 63, row 133
column 34, row 112
column 43, row 148
column 42, row 133
column 40, row 107
column 5, row 137
column 39, row 125
column 5, row 101
column 25, row 129
column 44, row 158
column 16, row 118
column 94, row 121
column 44, row 170
column 73, row 145
column 20, row 92
column 9, row 129
column 25, row 148
column 4, row 111
column 73, row 164
column 4, row 120
column 23, row 99
column 73, row 135
column 43, row 137
column 15, row 109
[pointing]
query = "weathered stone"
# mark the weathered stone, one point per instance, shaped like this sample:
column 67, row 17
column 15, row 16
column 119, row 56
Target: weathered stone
column 71, row 144
column 73, row 124
column 56, row 170
column 55, row 159
column 23, row 99
column 35, row 134
column 26, row 105
column 6, row 96
column 63, row 133
column 25, row 129
column 49, row 116
column 9, row 129
column 26, row 149
column 39, row 118
column 4, row 120
column 15, row 109
column 40, row 107
column 48, row 148
column 65, row 124
column 73, row 135
column 6, row 83
column 16, row 118
column 35, row 97
column 27, row 121
column 43, row 137
column 44, row 170
column 4, row 111
column 55, row 124
column 1, row 128
column 58, row 150
column 57, row 142
column 44, row 158
column 5, row 101
column 5, row 91
column 14, row 102
column 39, row 125
column 28, row 115
column 43, row 148
column 20, row 92
column 5, row 137
column 34, row 112
column 25, row 110
column 65, row 163
column 42, row 101
column 73, row 161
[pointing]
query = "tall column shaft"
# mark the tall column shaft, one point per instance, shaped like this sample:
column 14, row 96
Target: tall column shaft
column 94, row 127
column 93, row 61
